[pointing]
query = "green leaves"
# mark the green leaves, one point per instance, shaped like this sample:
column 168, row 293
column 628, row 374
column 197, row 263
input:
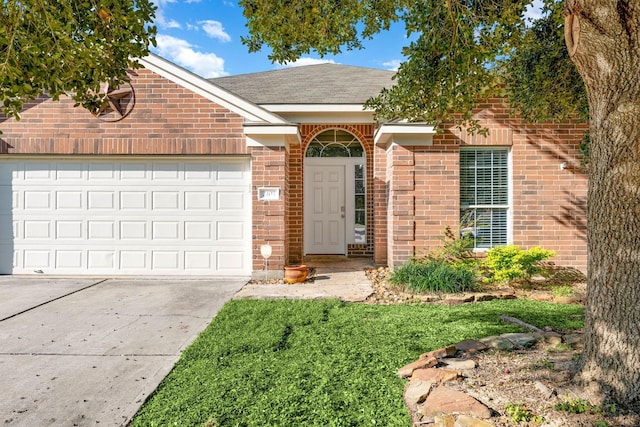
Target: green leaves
column 294, row 27
column 69, row 47
column 460, row 51
column 510, row 262
column 542, row 80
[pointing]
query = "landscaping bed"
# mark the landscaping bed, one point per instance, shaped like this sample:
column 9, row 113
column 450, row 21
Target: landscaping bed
column 552, row 284
column 521, row 386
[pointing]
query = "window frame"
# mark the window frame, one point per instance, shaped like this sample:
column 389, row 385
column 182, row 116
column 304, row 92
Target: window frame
column 508, row 207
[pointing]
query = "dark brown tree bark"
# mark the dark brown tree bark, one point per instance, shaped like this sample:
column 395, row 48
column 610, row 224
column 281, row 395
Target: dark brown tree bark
column 603, row 38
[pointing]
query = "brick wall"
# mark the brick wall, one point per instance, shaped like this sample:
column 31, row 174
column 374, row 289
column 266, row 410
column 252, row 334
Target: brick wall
column 380, row 194
column 295, row 207
column 401, row 212
column 166, row 119
column 268, row 168
column 548, row 204
column 437, row 192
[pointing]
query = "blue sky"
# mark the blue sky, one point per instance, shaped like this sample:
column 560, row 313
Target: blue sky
column 203, row 36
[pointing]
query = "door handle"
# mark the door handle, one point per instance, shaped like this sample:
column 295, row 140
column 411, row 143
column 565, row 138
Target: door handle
column 341, row 211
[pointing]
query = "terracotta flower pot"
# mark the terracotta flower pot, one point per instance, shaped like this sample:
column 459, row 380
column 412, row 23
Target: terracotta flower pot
column 295, row 273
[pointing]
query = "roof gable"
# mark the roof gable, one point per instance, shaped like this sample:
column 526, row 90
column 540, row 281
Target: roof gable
column 221, row 96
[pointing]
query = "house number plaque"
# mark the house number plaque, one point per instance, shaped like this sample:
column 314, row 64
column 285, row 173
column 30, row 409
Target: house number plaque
column 266, row 194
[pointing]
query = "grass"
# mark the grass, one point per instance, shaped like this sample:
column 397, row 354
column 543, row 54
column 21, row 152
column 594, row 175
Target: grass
column 319, row 363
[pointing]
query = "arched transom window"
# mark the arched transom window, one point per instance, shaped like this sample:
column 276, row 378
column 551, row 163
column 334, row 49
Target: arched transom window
column 335, row 143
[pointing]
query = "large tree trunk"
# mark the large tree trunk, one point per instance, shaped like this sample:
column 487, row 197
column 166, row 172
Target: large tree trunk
column 603, row 37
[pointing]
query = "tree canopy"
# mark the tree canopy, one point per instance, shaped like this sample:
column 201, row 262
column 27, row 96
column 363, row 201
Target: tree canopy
column 69, row 47
column 578, row 59
column 459, row 51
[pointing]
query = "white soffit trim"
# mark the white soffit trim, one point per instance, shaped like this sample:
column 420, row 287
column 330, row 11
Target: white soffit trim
column 314, row 108
column 322, row 113
column 413, row 134
column 271, row 135
column 203, row 87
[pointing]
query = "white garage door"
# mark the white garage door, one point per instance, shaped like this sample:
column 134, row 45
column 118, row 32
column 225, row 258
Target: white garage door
column 142, row 216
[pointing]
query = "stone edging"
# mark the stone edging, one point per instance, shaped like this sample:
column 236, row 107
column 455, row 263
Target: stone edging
column 431, row 403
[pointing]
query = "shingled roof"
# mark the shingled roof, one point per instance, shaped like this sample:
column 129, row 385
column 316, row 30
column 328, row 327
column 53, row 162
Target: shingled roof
column 311, row 84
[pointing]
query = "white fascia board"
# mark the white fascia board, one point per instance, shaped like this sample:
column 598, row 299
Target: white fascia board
column 322, row 113
column 324, row 118
column 314, row 108
column 205, row 88
column 407, row 134
column 260, row 129
column 271, row 135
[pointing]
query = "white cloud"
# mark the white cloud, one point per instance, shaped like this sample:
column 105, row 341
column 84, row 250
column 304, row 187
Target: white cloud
column 162, row 3
column 161, row 20
column 215, row 30
column 392, row 65
column 533, row 11
column 183, row 53
column 166, row 24
column 301, row 62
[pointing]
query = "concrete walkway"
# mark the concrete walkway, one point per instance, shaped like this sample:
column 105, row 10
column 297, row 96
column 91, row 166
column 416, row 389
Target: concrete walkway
column 335, row 277
column 87, row 352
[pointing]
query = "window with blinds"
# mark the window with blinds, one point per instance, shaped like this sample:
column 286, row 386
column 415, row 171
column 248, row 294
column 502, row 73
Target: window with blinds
column 484, row 195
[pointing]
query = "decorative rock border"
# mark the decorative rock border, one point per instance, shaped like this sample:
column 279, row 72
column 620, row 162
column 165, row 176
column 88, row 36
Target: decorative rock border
column 384, row 294
column 431, row 403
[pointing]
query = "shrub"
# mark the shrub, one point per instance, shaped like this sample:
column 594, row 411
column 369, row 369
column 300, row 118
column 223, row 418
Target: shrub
column 456, row 249
column 434, row 275
column 510, row 262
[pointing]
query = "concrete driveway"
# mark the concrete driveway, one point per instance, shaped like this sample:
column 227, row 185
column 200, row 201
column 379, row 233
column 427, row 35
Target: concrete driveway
column 80, row 352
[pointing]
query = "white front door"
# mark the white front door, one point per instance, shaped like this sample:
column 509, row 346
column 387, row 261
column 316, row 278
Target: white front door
column 324, row 206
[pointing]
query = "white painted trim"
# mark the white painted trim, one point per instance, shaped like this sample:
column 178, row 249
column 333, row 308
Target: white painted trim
column 349, row 117
column 404, row 134
column 265, row 141
column 510, row 193
column 510, row 206
column 252, row 129
column 315, row 108
column 205, row 88
column 271, row 135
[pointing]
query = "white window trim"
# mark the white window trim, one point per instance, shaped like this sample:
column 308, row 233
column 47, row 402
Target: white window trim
column 509, row 206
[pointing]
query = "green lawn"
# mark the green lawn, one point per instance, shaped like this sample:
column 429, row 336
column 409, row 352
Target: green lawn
column 320, row 363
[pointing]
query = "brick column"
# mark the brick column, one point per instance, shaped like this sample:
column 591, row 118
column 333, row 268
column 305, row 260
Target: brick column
column 268, row 168
column 379, row 205
column 401, row 205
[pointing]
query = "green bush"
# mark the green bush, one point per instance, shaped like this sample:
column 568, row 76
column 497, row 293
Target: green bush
column 456, row 248
column 510, row 262
column 434, row 275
